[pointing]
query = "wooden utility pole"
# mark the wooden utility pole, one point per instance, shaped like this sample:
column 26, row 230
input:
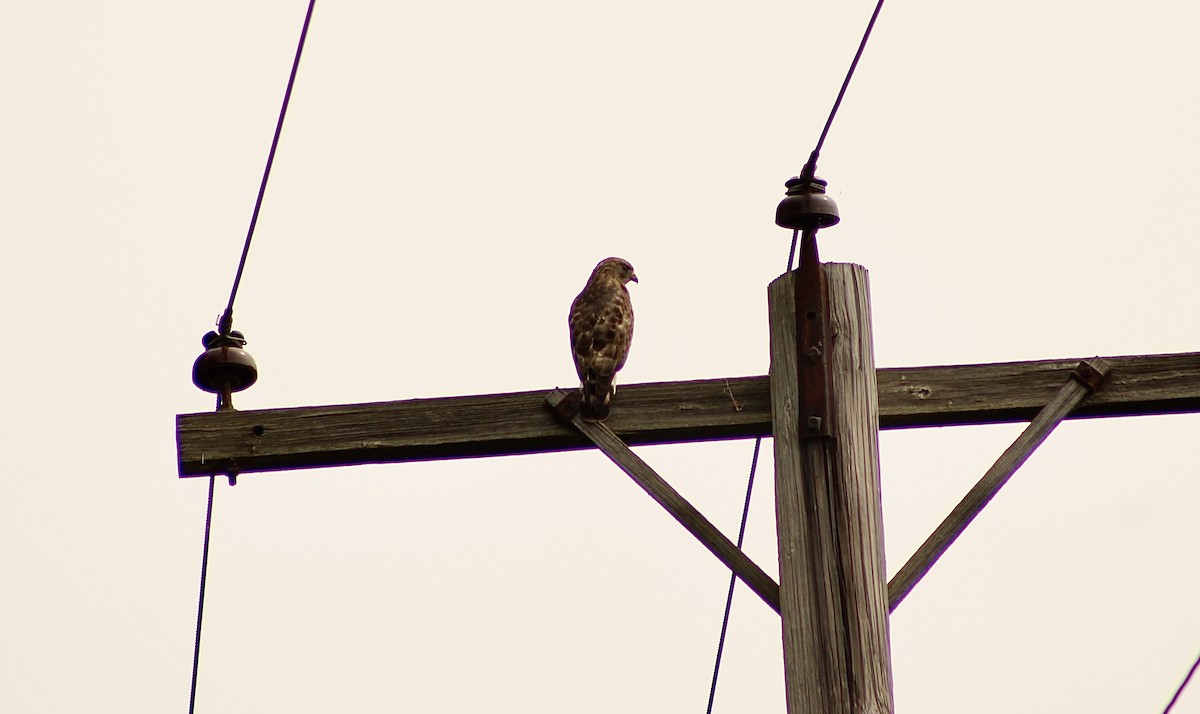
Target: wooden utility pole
column 833, row 586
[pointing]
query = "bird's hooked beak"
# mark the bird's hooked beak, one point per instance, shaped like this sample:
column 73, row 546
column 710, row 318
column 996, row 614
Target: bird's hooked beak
column 633, row 278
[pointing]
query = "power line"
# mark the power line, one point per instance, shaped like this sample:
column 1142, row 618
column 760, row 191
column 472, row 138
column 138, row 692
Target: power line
column 226, row 322
column 812, row 159
column 203, row 581
column 712, row 692
column 225, row 326
column 792, row 250
column 810, row 168
column 1182, row 685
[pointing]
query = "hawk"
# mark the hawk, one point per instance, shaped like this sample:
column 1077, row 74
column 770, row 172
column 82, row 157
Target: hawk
column 601, row 330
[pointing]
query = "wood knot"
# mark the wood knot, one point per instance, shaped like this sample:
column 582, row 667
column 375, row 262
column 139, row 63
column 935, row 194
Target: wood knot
column 919, row 392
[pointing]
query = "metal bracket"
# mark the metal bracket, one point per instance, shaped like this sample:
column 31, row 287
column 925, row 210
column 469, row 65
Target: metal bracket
column 569, row 405
column 1087, row 375
column 814, row 368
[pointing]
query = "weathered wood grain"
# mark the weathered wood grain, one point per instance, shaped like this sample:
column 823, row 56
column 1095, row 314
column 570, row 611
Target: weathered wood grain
column 679, row 507
column 1017, row 391
column 833, row 588
column 654, row 413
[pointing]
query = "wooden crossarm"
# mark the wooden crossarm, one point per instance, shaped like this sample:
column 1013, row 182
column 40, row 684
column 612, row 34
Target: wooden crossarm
column 654, row 413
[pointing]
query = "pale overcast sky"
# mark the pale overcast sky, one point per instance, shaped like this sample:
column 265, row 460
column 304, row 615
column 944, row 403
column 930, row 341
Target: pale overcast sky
column 1019, row 178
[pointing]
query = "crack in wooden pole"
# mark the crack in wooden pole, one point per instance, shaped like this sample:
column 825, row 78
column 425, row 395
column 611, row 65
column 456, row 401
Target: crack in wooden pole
column 1086, row 378
column 670, row 499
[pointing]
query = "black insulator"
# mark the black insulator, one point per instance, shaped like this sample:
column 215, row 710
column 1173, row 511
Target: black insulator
column 224, row 367
column 806, row 205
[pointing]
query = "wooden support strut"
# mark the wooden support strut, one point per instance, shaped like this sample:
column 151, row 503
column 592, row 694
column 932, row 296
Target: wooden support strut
column 566, row 406
column 1085, row 380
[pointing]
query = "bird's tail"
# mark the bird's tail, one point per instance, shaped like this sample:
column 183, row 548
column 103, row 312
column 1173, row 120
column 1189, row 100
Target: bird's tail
column 597, row 392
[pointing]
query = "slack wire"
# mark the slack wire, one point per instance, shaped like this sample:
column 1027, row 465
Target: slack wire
column 203, row 580
column 712, row 692
column 227, row 319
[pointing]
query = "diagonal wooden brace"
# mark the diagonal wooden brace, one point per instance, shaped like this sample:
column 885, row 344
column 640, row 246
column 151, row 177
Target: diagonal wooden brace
column 1085, row 379
column 565, row 404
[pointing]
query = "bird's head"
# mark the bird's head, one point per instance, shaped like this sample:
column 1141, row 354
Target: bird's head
column 617, row 269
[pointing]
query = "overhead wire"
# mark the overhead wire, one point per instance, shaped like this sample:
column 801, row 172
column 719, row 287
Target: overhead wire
column 845, row 83
column 810, row 168
column 212, row 480
column 712, row 691
column 225, row 325
column 226, row 321
column 1182, row 686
